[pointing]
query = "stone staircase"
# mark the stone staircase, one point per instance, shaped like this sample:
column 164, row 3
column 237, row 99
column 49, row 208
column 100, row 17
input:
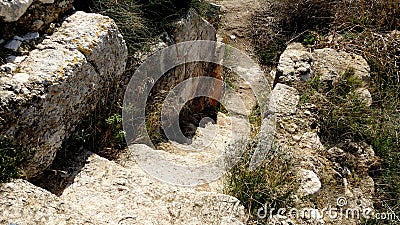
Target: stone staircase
column 101, row 191
column 104, row 192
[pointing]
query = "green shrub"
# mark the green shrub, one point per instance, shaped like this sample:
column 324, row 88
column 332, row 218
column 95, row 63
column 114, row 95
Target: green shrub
column 271, row 184
column 115, row 127
column 380, row 15
column 341, row 114
column 300, row 15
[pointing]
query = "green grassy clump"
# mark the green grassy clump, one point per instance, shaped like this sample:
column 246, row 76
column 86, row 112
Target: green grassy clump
column 116, row 130
column 270, row 185
column 342, row 114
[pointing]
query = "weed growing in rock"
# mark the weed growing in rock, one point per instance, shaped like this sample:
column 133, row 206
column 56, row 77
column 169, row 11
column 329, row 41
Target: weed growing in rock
column 115, row 128
column 271, row 184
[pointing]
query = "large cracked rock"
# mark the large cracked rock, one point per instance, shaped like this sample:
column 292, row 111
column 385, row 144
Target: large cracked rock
column 59, row 83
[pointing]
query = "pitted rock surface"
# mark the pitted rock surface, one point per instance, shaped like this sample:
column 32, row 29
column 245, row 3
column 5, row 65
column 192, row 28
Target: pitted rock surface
column 47, row 94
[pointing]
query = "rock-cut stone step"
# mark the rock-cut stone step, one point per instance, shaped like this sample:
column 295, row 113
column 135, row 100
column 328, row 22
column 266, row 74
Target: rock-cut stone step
column 105, row 191
column 23, row 203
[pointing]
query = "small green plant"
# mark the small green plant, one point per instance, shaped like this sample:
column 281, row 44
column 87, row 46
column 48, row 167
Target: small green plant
column 271, row 184
column 309, row 39
column 207, row 11
column 231, row 78
column 223, row 110
column 11, row 156
column 115, row 126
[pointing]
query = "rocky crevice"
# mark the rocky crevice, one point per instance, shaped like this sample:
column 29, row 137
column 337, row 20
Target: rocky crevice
column 71, row 69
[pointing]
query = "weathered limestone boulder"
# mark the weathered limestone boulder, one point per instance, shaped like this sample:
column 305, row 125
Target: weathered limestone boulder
column 298, row 63
column 284, row 99
column 59, row 83
column 12, row 10
column 295, row 63
column 331, row 64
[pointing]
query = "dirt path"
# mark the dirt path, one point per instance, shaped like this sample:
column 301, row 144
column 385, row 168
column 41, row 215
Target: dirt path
column 236, row 22
column 234, row 29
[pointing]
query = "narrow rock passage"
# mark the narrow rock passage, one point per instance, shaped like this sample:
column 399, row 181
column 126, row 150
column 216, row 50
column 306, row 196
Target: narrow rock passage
column 107, row 192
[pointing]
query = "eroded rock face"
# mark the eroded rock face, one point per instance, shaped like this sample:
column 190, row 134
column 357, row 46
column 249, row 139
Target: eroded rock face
column 59, row 83
column 325, row 175
column 284, row 99
column 295, row 63
column 190, row 28
column 104, row 192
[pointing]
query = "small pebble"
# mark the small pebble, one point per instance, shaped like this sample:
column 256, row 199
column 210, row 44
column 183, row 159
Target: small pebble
column 25, row 90
column 18, row 38
column 21, row 77
column 8, row 67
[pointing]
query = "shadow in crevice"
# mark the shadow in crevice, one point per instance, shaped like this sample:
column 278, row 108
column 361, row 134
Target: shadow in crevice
column 193, row 115
column 66, row 166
